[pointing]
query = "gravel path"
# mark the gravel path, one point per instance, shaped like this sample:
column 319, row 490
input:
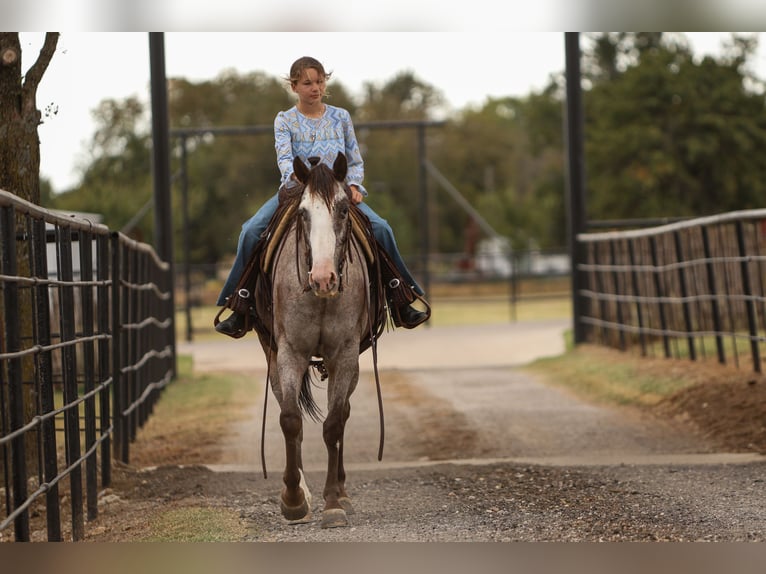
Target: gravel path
column 477, row 449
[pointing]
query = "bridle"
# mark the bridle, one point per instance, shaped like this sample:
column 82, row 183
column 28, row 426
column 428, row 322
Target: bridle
column 343, row 252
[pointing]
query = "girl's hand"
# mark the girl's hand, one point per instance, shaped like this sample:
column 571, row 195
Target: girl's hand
column 356, row 195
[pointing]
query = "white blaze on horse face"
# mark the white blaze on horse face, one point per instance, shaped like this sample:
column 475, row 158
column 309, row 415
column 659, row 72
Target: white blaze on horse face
column 323, row 275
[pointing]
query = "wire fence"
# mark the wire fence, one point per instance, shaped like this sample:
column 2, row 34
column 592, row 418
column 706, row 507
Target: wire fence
column 86, row 346
column 694, row 289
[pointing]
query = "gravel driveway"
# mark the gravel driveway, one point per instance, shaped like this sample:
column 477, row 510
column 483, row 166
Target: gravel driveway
column 476, row 449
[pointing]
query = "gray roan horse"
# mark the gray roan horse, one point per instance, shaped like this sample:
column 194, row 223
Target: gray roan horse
column 320, row 309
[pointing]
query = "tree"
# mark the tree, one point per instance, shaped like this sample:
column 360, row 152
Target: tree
column 19, row 116
column 391, row 156
column 667, row 135
column 20, row 170
column 506, row 158
column 117, row 179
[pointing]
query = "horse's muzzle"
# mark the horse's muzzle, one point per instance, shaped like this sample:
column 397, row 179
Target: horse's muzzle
column 324, row 282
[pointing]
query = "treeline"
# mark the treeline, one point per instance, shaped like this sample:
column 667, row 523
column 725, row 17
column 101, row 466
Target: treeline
column 667, row 134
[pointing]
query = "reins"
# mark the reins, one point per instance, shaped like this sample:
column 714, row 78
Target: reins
column 374, row 347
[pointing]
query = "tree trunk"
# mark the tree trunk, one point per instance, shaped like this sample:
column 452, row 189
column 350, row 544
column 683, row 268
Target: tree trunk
column 20, row 175
column 19, row 116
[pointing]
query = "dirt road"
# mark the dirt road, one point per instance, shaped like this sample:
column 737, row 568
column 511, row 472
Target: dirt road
column 476, row 449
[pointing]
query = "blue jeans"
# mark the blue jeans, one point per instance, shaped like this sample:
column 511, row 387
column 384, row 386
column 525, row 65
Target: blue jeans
column 255, row 226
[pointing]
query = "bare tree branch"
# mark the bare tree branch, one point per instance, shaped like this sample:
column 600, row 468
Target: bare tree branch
column 35, row 73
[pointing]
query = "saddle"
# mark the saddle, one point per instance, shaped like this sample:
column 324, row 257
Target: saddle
column 252, row 297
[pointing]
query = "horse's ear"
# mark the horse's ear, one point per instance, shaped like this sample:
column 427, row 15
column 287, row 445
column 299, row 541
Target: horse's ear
column 340, row 167
column 300, row 170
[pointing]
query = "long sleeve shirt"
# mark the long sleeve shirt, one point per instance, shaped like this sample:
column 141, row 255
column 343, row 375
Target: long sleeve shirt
column 296, row 135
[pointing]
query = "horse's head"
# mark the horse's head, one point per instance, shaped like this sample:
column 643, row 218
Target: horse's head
column 324, row 215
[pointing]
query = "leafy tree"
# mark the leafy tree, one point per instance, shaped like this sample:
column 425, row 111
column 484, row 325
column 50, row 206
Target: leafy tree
column 670, row 136
column 117, row 180
column 391, row 155
column 506, row 160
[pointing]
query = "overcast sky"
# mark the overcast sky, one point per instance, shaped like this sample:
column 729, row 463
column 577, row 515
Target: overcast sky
column 467, row 67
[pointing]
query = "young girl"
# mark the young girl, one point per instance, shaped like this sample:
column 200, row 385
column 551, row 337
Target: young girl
column 313, row 128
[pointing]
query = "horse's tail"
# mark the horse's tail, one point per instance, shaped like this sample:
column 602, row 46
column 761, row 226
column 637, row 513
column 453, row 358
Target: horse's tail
column 306, row 402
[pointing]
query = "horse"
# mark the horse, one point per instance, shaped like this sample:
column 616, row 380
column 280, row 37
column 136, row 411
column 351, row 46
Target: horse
column 320, row 307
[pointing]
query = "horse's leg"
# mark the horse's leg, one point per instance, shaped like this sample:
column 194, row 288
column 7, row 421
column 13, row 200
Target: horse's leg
column 295, row 501
column 343, row 377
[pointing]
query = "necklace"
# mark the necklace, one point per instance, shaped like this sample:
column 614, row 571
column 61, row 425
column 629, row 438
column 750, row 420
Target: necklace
column 314, row 115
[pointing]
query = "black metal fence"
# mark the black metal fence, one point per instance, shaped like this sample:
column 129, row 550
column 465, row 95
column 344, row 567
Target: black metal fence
column 691, row 289
column 87, row 343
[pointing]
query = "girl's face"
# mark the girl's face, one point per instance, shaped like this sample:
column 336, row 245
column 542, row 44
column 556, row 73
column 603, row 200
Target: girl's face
column 311, row 87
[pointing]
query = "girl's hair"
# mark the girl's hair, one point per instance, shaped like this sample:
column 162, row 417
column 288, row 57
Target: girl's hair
column 305, row 63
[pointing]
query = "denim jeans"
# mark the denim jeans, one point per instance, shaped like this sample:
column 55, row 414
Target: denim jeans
column 255, row 226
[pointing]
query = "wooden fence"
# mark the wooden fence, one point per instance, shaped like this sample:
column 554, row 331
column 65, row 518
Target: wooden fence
column 692, row 289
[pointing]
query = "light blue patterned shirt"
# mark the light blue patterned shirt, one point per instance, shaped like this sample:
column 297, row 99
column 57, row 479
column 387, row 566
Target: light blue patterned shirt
column 297, row 135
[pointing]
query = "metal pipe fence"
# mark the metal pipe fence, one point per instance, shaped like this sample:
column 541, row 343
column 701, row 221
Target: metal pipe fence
column 694, row 289
column 86, row 346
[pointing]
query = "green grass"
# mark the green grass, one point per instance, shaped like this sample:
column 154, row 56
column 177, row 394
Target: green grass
column 609, row 376
column 193, row 415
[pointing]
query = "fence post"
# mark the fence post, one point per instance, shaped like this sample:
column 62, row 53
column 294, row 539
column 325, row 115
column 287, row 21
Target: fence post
column 69, row 375
column 660, row 294
column 131, row 381
column 117, row 402
column 637, row 291
column 104, row 366
column 714, row 292
column 748, row 289
column 603, row 305
column 15, row 385
column 85, row 241
column 616, row 285
column 684, row 295
column 45, row 381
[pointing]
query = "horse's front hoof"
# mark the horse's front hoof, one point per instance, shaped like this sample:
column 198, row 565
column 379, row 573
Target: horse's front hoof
column 296, row 514
column 345, row 504
column 301, row 512
column 334, row 518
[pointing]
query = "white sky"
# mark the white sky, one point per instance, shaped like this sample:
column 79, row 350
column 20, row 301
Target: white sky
column 467, row 67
